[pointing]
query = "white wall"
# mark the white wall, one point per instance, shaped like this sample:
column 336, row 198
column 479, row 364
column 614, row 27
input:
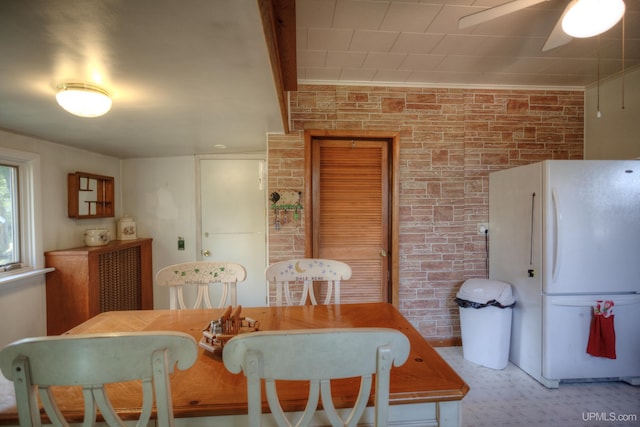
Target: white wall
column 160, row 194
column 616, row 134
column 22, row 309
column 23, row 303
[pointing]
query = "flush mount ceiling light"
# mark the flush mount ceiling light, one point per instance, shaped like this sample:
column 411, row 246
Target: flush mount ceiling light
column 588, row 18
column 84, row 100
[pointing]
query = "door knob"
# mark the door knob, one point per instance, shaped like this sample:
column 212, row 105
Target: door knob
column 205, row 252
column 383, row 253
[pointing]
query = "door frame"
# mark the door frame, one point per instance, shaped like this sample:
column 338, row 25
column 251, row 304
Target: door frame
column 393, row 139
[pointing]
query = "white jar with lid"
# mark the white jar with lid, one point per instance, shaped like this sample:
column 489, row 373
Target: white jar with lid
column 96, row 237
column 126, row 228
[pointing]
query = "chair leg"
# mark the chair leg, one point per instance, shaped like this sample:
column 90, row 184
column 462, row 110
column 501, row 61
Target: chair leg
column 234, row 293
column 223, row 298
column 278, row 294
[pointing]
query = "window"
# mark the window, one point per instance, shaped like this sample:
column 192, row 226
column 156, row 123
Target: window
column 10, row 256
column 20, row 217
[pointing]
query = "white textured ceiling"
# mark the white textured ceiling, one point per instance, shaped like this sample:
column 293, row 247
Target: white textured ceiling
column 418, row 43
column 185, row 75
column 191, row 74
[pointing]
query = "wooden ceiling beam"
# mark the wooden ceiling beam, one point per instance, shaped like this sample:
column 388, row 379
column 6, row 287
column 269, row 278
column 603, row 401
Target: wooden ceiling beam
column 279, row 25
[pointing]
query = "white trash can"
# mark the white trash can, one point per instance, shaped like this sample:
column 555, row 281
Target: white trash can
column 485, row 321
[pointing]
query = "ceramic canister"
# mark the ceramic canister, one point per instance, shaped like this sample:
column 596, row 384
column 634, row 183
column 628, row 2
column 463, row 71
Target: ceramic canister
column 96, row 237
column 126, row 228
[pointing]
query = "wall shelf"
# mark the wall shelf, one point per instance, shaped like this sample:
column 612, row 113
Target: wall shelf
column 90, row 195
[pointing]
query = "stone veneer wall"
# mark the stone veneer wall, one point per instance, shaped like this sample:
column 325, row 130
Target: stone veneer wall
column 450, row 140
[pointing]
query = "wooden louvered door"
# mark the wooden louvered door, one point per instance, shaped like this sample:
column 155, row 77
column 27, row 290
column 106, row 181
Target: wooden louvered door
column 351, row 215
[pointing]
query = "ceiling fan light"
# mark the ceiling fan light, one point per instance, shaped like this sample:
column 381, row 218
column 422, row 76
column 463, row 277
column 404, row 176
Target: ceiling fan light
column 588, row 18
column 83, row 99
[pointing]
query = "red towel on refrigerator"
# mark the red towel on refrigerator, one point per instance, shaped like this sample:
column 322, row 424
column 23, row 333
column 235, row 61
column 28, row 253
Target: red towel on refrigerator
column 602, row 336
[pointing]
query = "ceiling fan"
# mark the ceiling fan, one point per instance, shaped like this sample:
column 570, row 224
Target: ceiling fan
column 581, row 18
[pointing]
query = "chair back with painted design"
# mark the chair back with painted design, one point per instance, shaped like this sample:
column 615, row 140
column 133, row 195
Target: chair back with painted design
column 296, row 278
column 201, row 274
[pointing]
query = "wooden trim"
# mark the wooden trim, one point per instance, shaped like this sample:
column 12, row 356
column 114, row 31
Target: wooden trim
column 394, row 138
column 285, row 17
column 395, row 218
column 279, row 25
column 446, row 342
column 308, row 196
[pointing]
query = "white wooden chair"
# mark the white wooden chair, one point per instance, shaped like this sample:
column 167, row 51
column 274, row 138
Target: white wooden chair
column 307, row 271
column 317, row 356
column 92, row 361
column 201, row 274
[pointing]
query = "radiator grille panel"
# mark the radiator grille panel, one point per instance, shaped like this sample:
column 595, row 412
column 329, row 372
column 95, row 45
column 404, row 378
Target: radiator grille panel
column 120, row 280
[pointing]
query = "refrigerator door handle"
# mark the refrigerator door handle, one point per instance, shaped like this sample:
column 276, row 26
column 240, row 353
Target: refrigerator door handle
column 557, row 234
column 584, row 302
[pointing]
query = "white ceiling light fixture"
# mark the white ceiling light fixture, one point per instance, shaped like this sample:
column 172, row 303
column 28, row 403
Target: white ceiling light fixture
column 84, row 100
column 580, row 18
column 588, row 18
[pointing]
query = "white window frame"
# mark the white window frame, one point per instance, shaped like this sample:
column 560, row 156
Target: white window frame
column 30, row 216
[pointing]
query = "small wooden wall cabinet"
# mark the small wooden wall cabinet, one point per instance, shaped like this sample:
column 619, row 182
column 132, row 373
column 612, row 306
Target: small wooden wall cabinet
column 90, row 195
column 93, row 279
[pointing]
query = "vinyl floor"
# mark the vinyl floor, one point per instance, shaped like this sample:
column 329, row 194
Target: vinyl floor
column 510, row 397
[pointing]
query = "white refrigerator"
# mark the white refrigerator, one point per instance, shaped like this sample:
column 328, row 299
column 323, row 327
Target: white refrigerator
column 565, row 234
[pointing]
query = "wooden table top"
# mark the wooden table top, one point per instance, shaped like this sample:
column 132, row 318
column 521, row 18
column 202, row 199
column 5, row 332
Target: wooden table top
column 208, row 389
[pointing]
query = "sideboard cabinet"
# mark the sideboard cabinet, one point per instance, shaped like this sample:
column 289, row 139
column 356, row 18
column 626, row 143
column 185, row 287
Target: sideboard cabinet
column 93, row 279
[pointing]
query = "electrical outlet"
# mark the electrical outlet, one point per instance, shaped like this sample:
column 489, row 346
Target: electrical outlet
column 483, row 228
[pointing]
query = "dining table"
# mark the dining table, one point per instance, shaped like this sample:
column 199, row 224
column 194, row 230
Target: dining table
column 424, row 391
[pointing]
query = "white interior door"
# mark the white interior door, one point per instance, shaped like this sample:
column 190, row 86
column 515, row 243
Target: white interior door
column 233, row 222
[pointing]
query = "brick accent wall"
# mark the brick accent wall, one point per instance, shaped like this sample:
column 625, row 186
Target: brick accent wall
column 450, row 140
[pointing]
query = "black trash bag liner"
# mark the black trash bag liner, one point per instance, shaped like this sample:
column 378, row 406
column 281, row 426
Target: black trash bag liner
column 470, row 304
